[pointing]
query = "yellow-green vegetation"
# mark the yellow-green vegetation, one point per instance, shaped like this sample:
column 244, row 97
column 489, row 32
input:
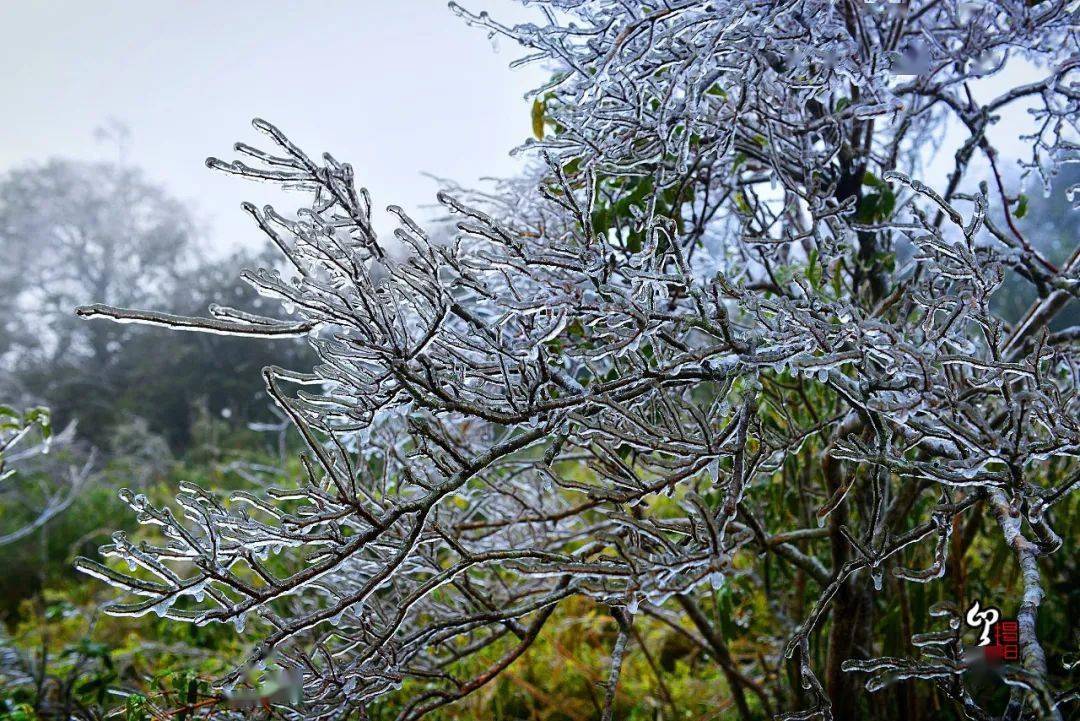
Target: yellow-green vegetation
column 97, row 666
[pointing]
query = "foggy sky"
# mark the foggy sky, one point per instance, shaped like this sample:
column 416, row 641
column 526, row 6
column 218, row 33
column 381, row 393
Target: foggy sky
column 395, row 88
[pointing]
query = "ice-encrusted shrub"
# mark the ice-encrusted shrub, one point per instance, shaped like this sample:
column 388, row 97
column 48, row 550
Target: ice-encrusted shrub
column 720, row 329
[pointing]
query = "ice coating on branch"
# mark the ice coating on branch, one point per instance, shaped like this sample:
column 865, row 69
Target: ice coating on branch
column 592, row 386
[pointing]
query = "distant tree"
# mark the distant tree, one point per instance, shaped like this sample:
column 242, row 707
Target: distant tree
column 168, row 378
column 673, row 368
column 71, row 230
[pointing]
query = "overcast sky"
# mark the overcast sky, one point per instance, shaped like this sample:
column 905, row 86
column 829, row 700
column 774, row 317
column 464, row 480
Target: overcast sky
column 396, row 88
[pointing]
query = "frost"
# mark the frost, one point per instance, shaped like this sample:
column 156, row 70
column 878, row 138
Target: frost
column 592, row 383
column 26, row 439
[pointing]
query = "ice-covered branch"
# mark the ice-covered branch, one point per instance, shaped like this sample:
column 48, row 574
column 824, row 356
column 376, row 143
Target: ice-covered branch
column 613, row 380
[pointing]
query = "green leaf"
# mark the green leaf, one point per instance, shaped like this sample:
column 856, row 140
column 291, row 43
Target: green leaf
column 868, row 208
column 40, row 417
column 886, row 260
column 135, row 708
column 538, row 108
column 872, row 180
column 741, row 204
column 813, row 270
column 1021, row 207
column 718, row 91
column 600, row 219
column 888, row 202
column 875, row 207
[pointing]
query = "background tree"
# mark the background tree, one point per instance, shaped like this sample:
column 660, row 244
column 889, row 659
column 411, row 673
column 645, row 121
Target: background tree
column 1051, row 222
column 675, row 363
column 73, row 230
